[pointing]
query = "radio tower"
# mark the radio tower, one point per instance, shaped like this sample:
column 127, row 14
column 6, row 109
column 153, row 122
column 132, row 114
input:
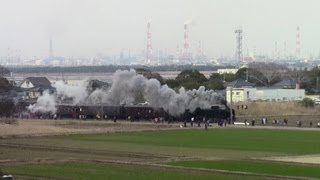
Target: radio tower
column 298, row 43
column 149, row 46
column 239, row 45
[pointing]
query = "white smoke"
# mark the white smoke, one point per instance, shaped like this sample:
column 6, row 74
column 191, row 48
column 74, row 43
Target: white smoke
column 96, row 97
column 78, row 93
column 126, row 85
column 45, row 104
column 191, row 21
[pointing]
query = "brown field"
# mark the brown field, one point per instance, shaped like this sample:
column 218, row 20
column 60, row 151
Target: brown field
column 56, row 127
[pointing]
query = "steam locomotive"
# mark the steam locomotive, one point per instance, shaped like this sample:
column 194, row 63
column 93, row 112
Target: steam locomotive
column 138, row 112
column 129, row 112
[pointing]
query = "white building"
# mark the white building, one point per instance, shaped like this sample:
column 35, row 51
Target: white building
column 280, row 94
column 244, row 94
column 227, row 71
column 32, row 82
column 35, row 86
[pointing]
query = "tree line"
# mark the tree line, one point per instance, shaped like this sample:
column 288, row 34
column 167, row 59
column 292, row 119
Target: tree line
column 107, row 68
column 261, row 74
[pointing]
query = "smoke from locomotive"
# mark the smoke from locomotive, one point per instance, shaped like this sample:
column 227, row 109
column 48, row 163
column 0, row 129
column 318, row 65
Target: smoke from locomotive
column 45, row 103
column 126, row 85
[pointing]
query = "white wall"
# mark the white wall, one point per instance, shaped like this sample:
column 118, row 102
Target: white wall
column 253, row 94
column 280, row 94
column 227, row 71
column 241, row 94
column 26, row 84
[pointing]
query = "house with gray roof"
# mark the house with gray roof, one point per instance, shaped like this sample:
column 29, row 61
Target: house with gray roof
column 238, row 83
column 286, row 84
column 35, row 86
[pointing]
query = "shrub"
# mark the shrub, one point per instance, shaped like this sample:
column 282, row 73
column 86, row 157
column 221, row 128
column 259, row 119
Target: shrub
column 9, row 121
column 307, row 102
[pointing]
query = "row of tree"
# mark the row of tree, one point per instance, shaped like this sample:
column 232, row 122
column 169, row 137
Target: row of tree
column 261, row 74
column 107, row 68
column 6, row 101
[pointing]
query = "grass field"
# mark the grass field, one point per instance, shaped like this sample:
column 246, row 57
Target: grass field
column 219, row 153
column 265, row 167
column 72, row 170
column 283, row 141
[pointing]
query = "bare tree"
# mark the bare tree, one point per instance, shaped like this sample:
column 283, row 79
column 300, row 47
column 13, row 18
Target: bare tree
column 4, row 83
column 297, row 76
column 4, row 71
column 267, row 73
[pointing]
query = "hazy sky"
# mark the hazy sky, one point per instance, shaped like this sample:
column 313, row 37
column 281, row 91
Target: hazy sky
column 86, row 27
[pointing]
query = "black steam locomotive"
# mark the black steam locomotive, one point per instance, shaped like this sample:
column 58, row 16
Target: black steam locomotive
column 138, row 112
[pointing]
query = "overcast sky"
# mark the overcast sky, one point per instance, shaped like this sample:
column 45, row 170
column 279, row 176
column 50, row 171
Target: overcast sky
column 86, row 27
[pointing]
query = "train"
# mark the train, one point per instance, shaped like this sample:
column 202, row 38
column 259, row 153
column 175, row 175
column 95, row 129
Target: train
column 126, row 112
column 140, row 112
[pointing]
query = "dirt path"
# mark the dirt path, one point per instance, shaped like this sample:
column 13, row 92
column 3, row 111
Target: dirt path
column 52, row 127
column 57, row 127
column 306, row 159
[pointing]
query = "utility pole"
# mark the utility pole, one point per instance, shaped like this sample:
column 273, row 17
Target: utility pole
column 317, row 83
column 230, row 104
column 247, row 75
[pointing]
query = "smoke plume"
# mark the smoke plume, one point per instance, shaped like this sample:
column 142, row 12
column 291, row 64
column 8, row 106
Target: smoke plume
column 126, row 85
column 77, row 93
column 45, row 104
column 191, row 22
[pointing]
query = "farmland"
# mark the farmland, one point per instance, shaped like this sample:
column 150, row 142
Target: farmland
column 150, row 151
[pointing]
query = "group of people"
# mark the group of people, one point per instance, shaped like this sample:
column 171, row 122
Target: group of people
column 158, row 120
column 280, row 121
column 264, row 121
column 299, row 124
column 204, row 121
column 242, row 106
column 192, row 121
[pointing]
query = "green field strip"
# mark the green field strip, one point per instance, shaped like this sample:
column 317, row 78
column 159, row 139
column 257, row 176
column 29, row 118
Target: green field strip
column 80, row 170
column 264, row 140
column 250, row 166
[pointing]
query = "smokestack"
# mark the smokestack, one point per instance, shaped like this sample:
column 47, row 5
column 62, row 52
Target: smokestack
column 298, row 42
column 50, row 48
column 186, row 56
column 149, row 46
column 186, row 36
column 239, row 45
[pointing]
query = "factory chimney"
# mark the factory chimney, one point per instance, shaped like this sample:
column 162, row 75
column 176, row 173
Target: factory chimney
column 149, row 46
column 298, row 42
column 239, row 45
column 50, row 48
